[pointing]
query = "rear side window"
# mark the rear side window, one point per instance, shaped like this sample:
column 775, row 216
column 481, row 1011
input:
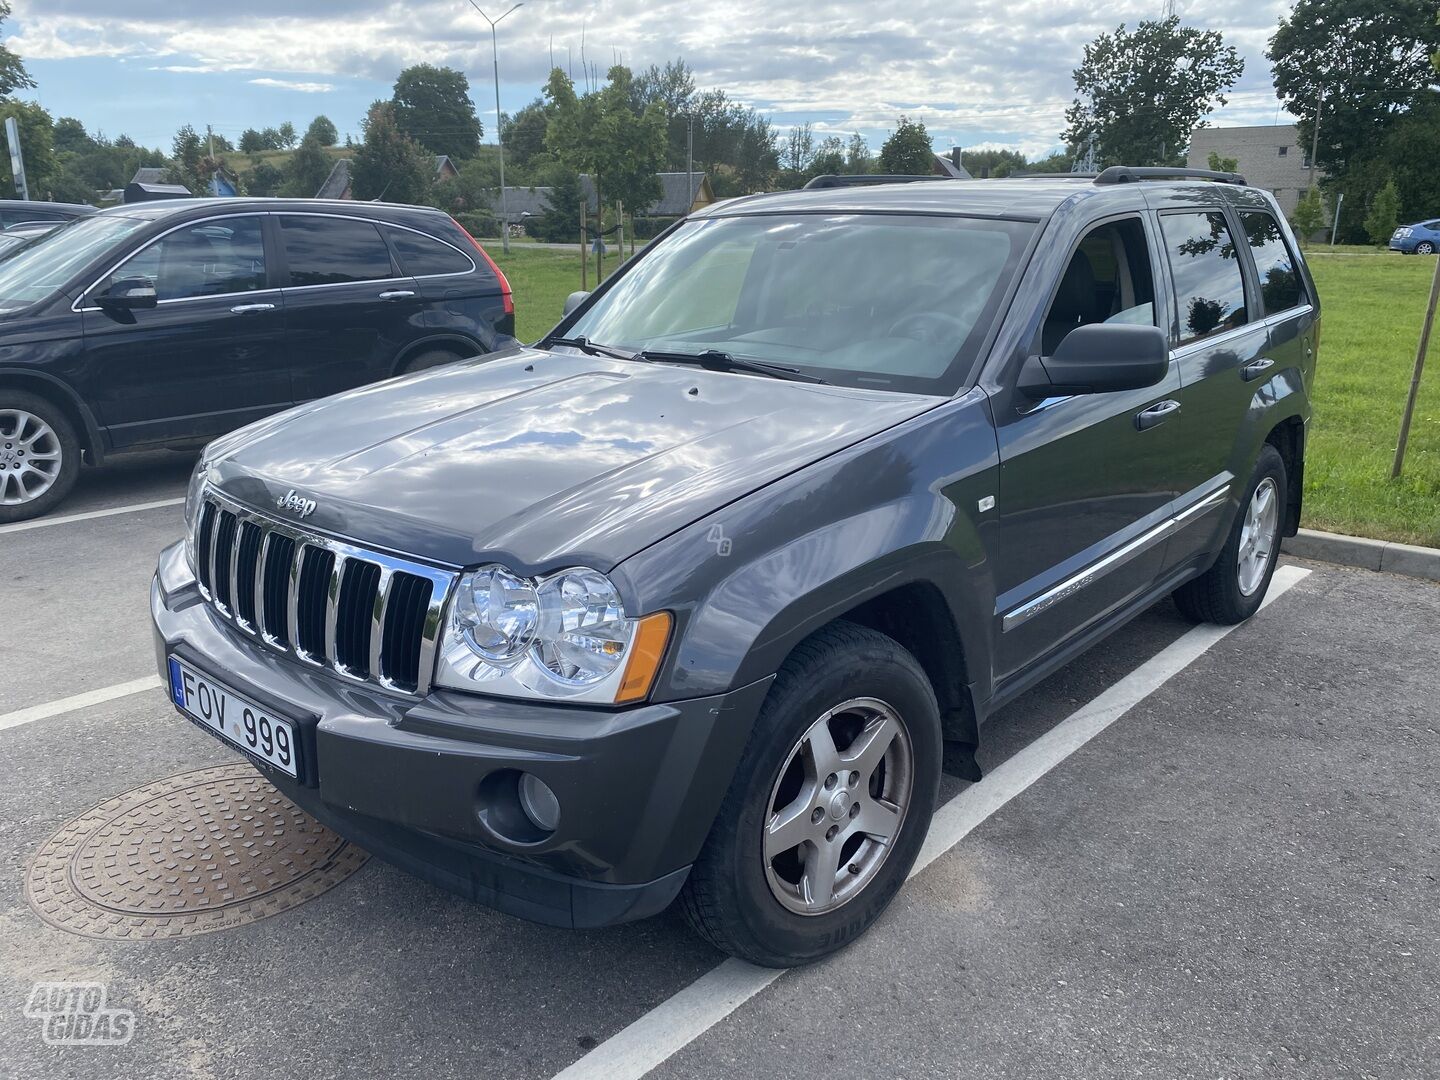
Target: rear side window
column 422, row 255
column 331, row 251
column 1209, row 288
column 18, row 217
column 1280, row 285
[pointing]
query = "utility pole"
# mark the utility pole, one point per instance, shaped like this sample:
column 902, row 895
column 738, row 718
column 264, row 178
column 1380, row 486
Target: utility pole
column 17, row 161
column 1415, row 378
column 584, row 252
column 499, row 142
column 214, row 178
column 689, row 161
column 1315, row 136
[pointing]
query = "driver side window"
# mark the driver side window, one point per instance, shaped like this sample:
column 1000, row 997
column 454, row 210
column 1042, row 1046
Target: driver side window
column 210, row 258
column 1108, row 279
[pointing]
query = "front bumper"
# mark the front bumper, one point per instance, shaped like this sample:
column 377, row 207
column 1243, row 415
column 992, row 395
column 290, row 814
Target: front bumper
column 419, row 782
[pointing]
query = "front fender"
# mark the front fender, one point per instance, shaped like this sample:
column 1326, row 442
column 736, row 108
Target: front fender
column 750, row 581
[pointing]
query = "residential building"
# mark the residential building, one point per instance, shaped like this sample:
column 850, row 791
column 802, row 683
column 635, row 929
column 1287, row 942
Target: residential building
column 1269, row 156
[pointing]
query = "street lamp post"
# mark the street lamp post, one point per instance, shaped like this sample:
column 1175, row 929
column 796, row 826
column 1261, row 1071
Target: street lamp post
column 499, row 142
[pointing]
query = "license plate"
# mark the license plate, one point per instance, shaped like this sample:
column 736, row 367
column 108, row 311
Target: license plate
column 238, row 721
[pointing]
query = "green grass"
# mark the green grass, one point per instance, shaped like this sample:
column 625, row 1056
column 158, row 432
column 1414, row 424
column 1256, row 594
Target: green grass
column 541, row 279
column 1373, row 305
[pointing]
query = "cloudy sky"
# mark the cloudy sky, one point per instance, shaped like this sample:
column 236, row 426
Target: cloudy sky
column 986, row 72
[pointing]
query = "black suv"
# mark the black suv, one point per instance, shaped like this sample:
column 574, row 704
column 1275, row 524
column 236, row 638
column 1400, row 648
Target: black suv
column 165, row 324
column 683, row 601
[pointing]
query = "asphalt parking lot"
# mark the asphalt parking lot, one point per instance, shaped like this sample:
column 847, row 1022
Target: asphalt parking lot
column 1195, row 854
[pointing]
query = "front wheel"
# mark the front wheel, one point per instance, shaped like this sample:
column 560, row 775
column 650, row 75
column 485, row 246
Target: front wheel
column 829, row 805
column 1232, row 590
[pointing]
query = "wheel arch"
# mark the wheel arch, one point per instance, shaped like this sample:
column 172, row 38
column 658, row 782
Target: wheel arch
column 63, row 397
column 462, row 346
column 1288, row 437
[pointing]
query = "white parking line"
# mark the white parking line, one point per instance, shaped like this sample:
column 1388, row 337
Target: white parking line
column 41, row 523
column 79, row 701
column 673, row 1024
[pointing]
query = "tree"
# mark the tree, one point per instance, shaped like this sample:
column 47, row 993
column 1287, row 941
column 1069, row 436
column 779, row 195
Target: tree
column 1216, row 163
column 1309, row 215
column 35, row 140
column 307, row 169
column 995, row 162
column 265, row 179
column 13, row 75
column 185, row 163
column 798, row 152
column 524, row 135
column 1384, row 213
column 270, row 138
column 908, row 150
column 252, row 142
column 858, row 158
column 561, row 220
column 70, row 136
column 1139, row 95
column 322, row 130
column 829, row 157
column 433, row 107
column 287, row 136
column 389, row 164
column 1369, row 59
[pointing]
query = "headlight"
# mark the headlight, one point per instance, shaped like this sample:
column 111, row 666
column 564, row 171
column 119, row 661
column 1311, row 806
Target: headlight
column 565, row 636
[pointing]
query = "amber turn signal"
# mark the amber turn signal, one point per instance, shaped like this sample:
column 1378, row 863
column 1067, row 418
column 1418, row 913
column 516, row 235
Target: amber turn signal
column 652, row 634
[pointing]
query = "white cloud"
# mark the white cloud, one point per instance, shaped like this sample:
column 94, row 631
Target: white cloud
column 992, row 71
column 302, row 87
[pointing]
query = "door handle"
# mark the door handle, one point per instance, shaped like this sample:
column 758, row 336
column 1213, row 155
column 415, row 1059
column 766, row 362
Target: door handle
column 1156, row 414
column 397, row 294
column 250, row 309
column 1256, row 368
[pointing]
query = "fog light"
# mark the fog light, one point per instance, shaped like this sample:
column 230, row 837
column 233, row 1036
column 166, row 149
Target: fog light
column 539, row 802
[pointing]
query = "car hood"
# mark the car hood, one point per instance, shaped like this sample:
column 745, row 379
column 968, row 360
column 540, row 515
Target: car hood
column 540, row 460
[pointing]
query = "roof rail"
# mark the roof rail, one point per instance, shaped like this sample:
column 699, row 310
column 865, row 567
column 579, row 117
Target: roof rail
column 1129, row 174
column 829, row 180
column 1022, row 175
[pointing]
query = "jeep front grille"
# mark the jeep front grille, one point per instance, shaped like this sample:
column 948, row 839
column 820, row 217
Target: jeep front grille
column 367, row 616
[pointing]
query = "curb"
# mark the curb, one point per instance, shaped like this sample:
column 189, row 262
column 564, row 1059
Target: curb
column 1365, row 554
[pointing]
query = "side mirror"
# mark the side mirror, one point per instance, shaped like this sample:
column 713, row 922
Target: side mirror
column 574, row 300
column 1099, row 358
column 128, row 295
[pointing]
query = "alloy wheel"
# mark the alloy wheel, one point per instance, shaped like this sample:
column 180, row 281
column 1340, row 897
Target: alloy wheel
column 837, row 806
column 30, row 457
column 1259, row 535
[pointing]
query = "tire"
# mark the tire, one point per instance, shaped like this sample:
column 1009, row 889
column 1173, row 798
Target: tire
column 747, row 894
column 1231, row 590
column 431, row 359
column 39, row 456
column 1425, row 247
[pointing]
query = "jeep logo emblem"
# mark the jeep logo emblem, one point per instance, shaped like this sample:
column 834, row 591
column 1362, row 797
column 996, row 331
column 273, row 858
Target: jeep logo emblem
column 297, row 505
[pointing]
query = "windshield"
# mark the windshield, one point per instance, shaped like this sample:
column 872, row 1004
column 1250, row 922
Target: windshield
column 38, row 269
column 871, row 300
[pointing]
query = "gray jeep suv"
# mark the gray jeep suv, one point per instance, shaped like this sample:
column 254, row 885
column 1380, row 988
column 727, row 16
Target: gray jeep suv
column 684, row 600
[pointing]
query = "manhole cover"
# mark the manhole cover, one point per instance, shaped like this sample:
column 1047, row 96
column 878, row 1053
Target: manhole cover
column 192, row 853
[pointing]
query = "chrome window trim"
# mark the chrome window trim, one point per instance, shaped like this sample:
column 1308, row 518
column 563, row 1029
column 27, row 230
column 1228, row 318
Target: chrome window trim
column 1125, row 553
column 155, row 240
column 442, row 580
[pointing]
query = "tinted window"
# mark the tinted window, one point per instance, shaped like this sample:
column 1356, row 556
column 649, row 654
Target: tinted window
column 872, row 300
column 421, row 255
column 1209, row 289
column 1280, row 285
column 1107, row 280
column 211, row 258
column 327, row 250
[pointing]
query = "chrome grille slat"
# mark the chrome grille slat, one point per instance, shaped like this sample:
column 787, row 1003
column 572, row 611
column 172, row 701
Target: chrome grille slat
column 369, row 617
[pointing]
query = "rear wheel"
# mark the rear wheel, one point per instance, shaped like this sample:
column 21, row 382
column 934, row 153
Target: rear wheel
column 828, row 807
column 1232, row 590
column 1425, row 247
column 39, row 456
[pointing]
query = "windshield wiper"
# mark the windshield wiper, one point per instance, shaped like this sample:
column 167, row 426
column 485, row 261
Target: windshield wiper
column 715, row 360
column 585, row 345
